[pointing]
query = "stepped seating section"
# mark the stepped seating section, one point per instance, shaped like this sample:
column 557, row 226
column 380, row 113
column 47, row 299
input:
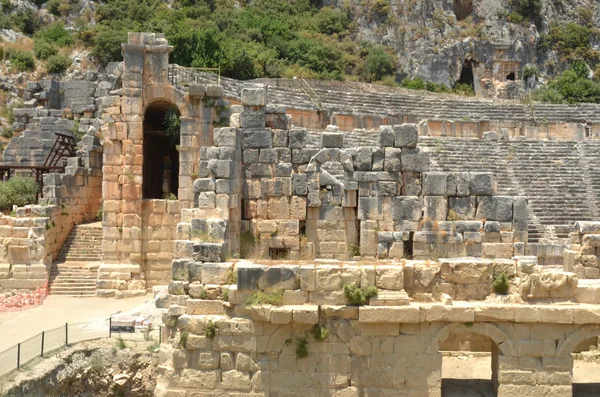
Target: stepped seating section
column 84, row 244
column 347, row 99
column 560, row 179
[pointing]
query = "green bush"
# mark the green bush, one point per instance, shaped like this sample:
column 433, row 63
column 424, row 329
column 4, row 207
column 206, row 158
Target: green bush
column 55, row 34
column 416, row 83
column 302, row 348
column 378, row 64
column 319, row 333
column 107, row 45
column 266, row 298
column 26, row 20
column 18, row 190
column 44, row 50
column 572, row 86
column 528, row 10
column 359, row 296
column 437, row 87
column 7, row 133
column 21, row 60
column 463, row 89
column 501, row 284
column 58, row 63
column 53, row 7
column 529, row 71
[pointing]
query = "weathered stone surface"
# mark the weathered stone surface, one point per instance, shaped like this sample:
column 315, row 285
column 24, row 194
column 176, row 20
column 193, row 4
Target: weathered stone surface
column 481, row 183
column 406, row 135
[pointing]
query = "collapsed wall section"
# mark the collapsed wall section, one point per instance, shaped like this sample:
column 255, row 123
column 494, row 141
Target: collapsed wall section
column 330, row 201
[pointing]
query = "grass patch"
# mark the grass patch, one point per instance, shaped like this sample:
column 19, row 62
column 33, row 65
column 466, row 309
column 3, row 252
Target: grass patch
column 302, row 348
column 266, row 298
column 211, row 330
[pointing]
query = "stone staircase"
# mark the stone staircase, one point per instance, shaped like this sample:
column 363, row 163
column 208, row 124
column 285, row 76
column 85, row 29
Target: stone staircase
column 84, row 244
column 73, row 279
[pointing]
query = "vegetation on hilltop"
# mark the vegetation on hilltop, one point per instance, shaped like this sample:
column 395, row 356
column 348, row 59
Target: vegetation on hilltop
column 274, row 38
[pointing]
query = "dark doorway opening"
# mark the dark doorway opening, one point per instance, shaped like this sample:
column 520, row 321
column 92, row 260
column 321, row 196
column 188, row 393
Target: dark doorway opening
column 463, row 9
column 510, row 76
column 466, row 74
column 161, row 158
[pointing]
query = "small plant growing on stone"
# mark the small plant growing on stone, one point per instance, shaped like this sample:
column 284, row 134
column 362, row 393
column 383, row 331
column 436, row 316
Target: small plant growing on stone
column 320, row 333
column 359, row 296
column 183, row 338
column 203, row 294
column 121, row 344
column 231, row 277
column 211, row 330
column 354, row 250
column 265, row 298
column 97, row 364
column 453, row 216
column 501, row 284
column 288, row 341
column 99, row 214
column 225, row 295
column 302, row 348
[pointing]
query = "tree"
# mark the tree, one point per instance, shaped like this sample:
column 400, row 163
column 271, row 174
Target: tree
column 378, row 64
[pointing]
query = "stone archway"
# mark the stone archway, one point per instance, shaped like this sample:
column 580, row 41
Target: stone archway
column 575, row 338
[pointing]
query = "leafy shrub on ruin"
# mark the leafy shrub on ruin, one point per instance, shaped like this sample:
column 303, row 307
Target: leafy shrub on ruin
column 378, row 64
column 58, row 63
column 211, row 330
column 21, row 60
column 359, row 296
column 56, row 34
column 319, row 333
column 501, row 284
column 44, row 50
column 302, row 348
column 17, row 190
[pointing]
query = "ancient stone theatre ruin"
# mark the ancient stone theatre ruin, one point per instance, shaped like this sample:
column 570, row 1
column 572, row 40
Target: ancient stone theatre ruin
column 312, row 251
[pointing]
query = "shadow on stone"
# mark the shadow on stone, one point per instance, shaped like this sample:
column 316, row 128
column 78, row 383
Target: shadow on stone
column 467, row 388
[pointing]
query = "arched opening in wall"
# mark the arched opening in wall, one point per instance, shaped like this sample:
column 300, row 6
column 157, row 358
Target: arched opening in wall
column 463, row 9
column 161, row 156
column 469, row 365
column 586, row 368
column 510, row 76
column 466, row 74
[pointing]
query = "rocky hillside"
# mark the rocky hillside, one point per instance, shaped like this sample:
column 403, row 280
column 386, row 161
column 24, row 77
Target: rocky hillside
column 483, row 47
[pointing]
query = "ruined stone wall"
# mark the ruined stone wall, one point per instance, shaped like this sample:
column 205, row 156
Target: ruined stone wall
column 219, row 343
column 301, row 197
column 582, row 258
column 140, row 235
column 32, row 238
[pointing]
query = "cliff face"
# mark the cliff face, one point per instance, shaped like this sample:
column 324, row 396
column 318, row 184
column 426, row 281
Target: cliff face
column 437, row 39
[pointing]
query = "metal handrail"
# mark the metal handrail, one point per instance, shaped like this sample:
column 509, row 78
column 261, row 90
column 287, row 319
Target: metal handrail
column 182, row 75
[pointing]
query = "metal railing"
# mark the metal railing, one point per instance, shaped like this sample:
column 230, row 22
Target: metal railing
column 41, row 345
column 179, row 75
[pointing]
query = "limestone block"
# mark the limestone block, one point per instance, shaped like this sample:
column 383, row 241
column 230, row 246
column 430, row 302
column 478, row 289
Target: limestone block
column 226, row 137
column 482, row 183
column 328, row 278
column 307, row 278
column 306, row 314
column 363, row 159
column 406, row 208
column 280, row 278
column 321, row 297
column 406, row 135
column 465, row 207
column 256, row 138
column 392, row 159
column 495, row 208
column 434, row 183
column 386, row 136
column 499, row 250
column 295, row 297
column 208, row 252
column 297, row 139
column 254, row 96
column 435, row 207
column 414, row 160
column 332, row 139
column 216, row 273
column 390, row 277
column 248, row 276
column 370, row 208
column 389, row 314
column 458, row 184
column 204, row 307
column 467, row 270
column 281, row 315
column 235, row 380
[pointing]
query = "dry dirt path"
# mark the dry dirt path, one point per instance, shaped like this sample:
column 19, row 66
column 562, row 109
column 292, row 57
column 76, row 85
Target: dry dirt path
column 56, row 310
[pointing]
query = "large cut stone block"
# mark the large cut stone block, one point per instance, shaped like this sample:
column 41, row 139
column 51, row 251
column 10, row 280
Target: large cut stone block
column 406, row 135
column 482, row 183
column 256, row 138
column 332, row 139
column 254, row 96
column 495, row 208
column 434, row 183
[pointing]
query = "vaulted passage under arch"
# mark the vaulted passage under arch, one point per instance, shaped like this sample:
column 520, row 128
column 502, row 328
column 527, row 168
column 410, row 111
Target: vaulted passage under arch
column 161, row 158
column 463, row 9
